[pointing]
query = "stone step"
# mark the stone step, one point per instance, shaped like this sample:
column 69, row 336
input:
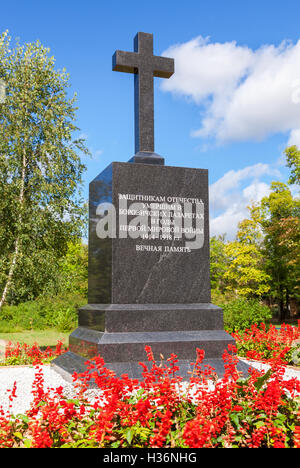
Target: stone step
column 151, row 317
column 68, row 363
column 126, row 347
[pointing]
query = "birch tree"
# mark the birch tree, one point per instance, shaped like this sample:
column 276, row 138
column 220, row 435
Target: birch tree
column 40, row 170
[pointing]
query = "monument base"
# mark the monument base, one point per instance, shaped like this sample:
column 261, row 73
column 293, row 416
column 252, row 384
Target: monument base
column 116, row 333
column 69, row 362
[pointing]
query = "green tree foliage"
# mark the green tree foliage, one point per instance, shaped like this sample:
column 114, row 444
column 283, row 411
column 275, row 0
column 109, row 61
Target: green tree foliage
column 264, row 260
column 40, row 171
column 293, row 162
column 74, row 269
column 218, row 263
column 245, row 273
column 280, row 221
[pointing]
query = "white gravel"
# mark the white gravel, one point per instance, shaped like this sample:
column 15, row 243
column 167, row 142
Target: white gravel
column 290, row 372
column 24, row 377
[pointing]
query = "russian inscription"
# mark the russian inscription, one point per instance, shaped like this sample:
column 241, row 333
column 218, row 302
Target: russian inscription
column 151, row 217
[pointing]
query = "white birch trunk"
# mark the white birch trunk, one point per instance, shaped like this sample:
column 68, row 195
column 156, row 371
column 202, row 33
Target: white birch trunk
column 17, row 241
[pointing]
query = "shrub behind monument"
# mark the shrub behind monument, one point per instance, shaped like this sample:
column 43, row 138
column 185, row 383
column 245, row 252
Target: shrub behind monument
column 240, row 314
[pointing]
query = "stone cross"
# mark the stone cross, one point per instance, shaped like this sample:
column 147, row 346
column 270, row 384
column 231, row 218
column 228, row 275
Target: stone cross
column 144, row 65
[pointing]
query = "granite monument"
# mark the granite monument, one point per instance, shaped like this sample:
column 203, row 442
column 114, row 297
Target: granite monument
column 149, row 271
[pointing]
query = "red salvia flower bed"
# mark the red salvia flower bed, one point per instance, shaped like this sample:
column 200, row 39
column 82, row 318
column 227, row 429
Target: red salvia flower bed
column 159, row 411
column 266, row 344
column 23, row 354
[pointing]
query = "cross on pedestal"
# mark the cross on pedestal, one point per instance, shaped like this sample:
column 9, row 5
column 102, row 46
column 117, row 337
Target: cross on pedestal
column 144, row 65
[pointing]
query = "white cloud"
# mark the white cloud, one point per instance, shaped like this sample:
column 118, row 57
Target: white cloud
column 245, row 94
column 232, row 193
column 97, row 153
column 294, row 138
column 256, row 191
column 227, row 222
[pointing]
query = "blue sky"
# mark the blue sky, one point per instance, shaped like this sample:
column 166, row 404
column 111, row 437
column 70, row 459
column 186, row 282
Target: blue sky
column 232, row 107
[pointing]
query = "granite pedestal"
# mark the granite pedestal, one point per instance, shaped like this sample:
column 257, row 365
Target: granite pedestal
column 149, row 286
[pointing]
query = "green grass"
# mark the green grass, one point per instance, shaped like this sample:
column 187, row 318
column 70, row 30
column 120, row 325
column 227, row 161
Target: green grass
column 43, row 338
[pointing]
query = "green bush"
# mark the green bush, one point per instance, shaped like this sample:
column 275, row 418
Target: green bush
column 220, row 298
column 240, row 314
column 66, row 319
column 45, row 312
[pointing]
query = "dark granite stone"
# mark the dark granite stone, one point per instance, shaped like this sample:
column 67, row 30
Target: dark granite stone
column 130, row 346
column 149, row 277
column 121, row 274
column 147, row 158
column 144, row 65
column 140, row 295
column 69, row 363
column 150, row 317
column 100, row 253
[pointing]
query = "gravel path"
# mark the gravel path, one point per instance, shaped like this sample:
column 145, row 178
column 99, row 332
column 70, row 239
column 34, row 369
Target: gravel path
column 24, row 377
column 291, row 372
